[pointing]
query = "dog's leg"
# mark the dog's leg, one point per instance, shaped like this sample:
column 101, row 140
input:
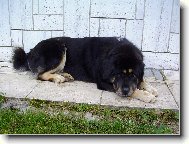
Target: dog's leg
column 47, row 76
column 144, row 96
column 147, row 87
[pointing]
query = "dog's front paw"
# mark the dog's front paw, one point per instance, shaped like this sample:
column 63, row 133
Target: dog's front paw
column 144, row 96
column 154, row 91
column 147, row 87
column 150, row 98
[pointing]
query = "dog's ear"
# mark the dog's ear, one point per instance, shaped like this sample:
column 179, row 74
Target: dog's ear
column 106, row 70
column 103, row 70
column 103, row 76
column 114, row 52
column 139, row 71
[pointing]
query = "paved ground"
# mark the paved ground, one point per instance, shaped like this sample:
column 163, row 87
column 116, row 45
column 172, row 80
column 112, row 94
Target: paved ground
column 24, row 85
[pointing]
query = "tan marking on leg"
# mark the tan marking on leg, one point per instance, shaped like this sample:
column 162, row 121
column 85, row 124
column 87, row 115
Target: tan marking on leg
column 147, row 87
column 60, row 67
column 52, row 77
column 52, row 74
column 143, row 96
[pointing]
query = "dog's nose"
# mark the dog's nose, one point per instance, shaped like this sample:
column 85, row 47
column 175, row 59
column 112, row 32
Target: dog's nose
column 125, row 90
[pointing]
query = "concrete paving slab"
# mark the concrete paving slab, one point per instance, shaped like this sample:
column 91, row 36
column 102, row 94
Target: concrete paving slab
column 16, row 85
column 110, row 98
column 24, row 84
column 175, row 90
column 151, row 79
column 157, row 74
column 148, row 73
column 172, row 75
column 78, row 92
column 164, row 101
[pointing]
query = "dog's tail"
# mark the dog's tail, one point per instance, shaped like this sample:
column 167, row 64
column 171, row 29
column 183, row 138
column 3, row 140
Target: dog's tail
column 20, row 59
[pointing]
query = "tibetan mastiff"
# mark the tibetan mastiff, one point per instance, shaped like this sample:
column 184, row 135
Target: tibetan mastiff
column 114, row 64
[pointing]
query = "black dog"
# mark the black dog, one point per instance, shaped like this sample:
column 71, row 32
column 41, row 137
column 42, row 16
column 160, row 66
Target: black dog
column 113, row 64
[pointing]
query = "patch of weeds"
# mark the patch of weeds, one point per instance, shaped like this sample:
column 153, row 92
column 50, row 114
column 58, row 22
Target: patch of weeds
column 50, row 117
column 169, row 115
column 38, row 103
column 42, row 123
column 64, row 106
column 2, row 98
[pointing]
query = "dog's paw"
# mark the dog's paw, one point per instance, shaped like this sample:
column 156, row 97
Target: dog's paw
column 58, row 79
column 68, row 77
column 151, row 90
column 144, row 96
column 150, row 98
column 154, row 91
column 147, row 87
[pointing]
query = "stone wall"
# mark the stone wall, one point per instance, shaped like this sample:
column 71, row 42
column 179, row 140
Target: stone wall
column 152, row 25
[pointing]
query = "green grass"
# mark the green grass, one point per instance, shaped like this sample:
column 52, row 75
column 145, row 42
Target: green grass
column 2, row 98
column 49, row 118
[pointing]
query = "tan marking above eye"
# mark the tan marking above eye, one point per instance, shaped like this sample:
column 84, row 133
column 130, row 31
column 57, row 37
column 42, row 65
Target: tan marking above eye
column 130, row 70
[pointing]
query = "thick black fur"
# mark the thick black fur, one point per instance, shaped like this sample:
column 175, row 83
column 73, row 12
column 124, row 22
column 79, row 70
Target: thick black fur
column 20, row 59
column 96, row 60
column 45, row 56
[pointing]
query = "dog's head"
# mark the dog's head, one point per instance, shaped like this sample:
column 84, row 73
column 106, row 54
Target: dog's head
column 124, row 69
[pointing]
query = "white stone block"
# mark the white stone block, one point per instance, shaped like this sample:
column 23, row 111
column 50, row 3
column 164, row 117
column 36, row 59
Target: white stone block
column 134, row 30
column 57, row 33
column 174, row 43
column 94, row 27
column 6, row 53
column 113, row 8
column 21, row 14
column 32, row 38
column 48, row 22
column 5, row 39
column 36, row 6
column 76, row 18
column 51, row 7
column 16, row 38
column 140, row 9
column 157, row 25
column 161, row 60
column 112, row 27
column 175, row 22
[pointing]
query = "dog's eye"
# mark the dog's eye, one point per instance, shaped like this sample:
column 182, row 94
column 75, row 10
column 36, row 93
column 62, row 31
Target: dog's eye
column 132, row 75
column 118, row 75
